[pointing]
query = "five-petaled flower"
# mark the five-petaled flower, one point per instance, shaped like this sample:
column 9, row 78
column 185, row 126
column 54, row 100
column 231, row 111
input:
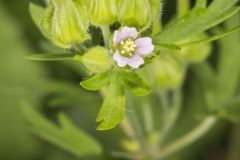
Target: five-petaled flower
column 129, row 49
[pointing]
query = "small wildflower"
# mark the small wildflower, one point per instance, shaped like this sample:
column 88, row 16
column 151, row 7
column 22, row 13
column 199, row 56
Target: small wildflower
column 129, row 49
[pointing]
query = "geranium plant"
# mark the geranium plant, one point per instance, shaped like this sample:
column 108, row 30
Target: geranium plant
column 132, row 59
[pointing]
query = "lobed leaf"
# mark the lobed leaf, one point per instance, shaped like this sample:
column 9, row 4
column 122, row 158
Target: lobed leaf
column 97, row 81
column 113, row 108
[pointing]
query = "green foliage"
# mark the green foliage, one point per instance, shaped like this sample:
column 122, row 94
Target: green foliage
column 198, row 20
column 213, row 38
column 68, row 137
column 219, row 86
column 136, row 84
column 113, row 107
column 208, row 90
column 97, row 81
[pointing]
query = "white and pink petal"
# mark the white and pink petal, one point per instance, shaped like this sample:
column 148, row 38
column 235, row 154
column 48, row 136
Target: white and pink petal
column 121, row 61
column 136, row 61
column 116, row 38
column 126, row 33
column 144, row 46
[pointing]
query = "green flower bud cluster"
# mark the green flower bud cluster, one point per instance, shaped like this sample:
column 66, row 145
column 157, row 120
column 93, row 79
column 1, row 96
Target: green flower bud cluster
column 66, row 22
column 138, row 13
column 103, row 12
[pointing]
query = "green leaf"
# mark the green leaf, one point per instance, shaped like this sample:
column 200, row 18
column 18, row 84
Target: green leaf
column 36, row 12
column 51, row 57
column 113, row 108
column 198, row 20
column 67, row 137
column 207, row 40
column 97, row 60
column 97, row 81
column 136, row 84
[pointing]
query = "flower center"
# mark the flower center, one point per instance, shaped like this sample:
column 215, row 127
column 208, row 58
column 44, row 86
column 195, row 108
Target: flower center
column 126, row 48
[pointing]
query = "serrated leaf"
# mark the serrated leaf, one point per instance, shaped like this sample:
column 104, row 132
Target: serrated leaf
column 36, row 13
column 136, row 84
column 113, row 108
column 51, row 57
column 198, row 20
column 67, row 137
column 97, row 81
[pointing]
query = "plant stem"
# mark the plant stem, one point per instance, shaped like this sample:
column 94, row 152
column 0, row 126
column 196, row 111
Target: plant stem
column 148, row 119
column 189, row 138
column 133, row 119
column 171, row 116
column 157, row 26
column 183, row 7
column 106, row 35
column 127, row 128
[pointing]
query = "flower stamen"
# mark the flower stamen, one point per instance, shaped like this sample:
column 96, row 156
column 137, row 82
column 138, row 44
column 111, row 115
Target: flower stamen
column 127, row 47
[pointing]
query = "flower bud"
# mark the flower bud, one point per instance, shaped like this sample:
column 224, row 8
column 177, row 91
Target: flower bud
column 135, row 13
column 196, row 53
column 103, row 12
column 96, row 60
column 156, row 7
column 65, row 22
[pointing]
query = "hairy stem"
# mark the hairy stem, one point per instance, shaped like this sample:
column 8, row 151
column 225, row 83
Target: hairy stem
column 157, row 27
column 106, row 35
column 201, row 4
column 183, row 7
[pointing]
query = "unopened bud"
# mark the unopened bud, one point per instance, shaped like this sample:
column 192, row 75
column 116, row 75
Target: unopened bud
column 135, row 13
column 65, row 22
column 96, row 60
column 103, row 12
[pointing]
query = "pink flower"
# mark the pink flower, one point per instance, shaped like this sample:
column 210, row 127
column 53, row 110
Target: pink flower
column 130, row 50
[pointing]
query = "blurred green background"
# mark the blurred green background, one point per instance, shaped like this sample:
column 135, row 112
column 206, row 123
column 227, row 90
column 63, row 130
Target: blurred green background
column 53, row 87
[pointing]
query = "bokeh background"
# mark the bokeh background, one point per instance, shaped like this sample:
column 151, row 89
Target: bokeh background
column 54, row 86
